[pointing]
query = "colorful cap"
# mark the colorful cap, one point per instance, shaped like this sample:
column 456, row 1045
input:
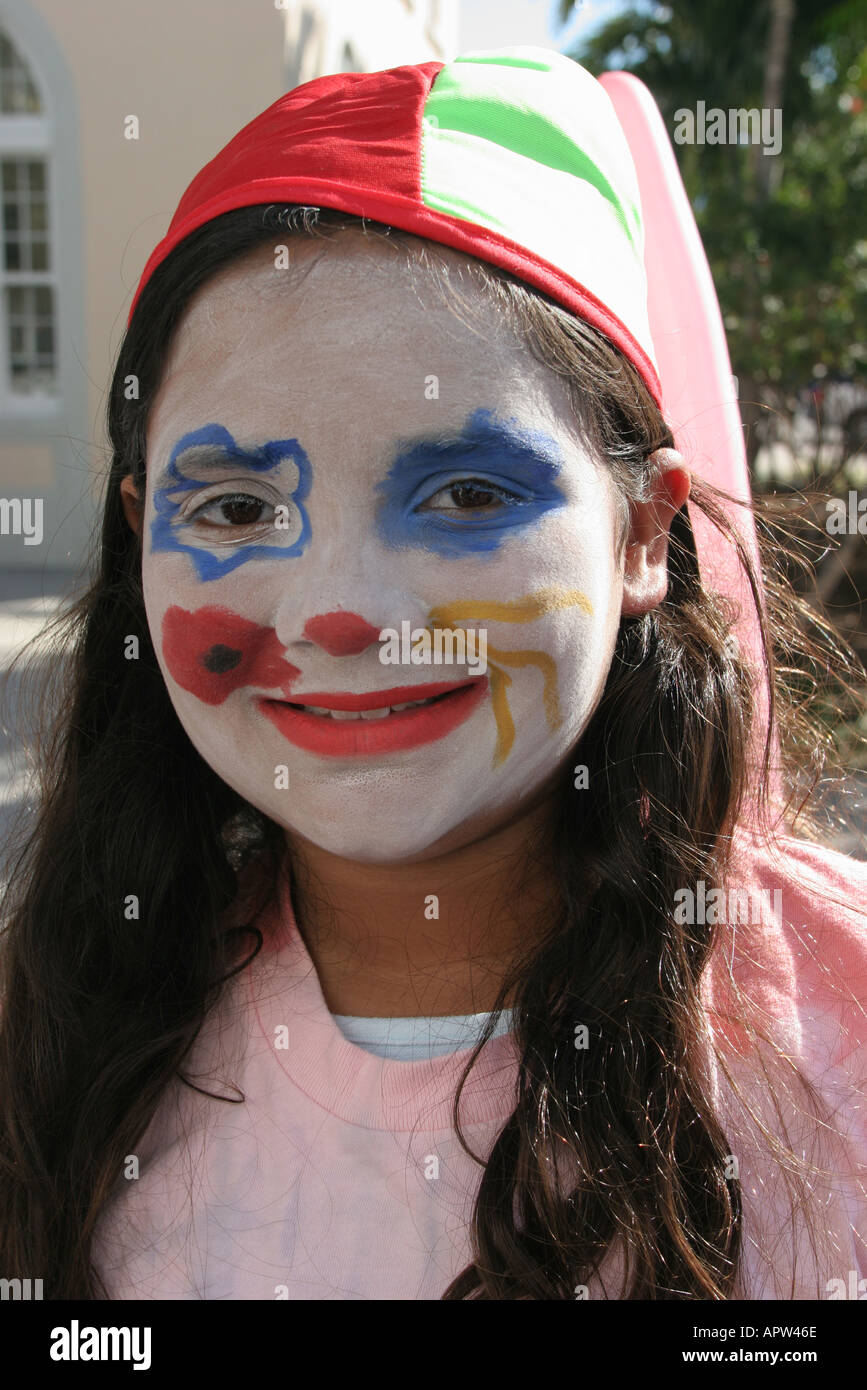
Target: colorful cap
column 513, row 155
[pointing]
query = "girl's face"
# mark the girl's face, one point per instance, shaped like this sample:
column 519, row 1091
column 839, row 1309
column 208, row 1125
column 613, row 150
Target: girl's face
column 338, row 467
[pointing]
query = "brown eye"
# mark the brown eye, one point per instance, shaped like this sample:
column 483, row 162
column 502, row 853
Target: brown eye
column 471, row 495
column 232, row 509
column 241, row 509
column 466, row 495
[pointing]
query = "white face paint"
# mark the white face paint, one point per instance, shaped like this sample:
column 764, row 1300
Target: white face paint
column 325, row 386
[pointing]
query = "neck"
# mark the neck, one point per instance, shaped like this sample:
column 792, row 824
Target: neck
column 429, row 938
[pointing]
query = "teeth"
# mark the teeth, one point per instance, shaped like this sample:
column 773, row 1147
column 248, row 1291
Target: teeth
column 381, row 713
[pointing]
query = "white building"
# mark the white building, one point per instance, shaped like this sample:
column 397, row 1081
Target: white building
column 83, row 205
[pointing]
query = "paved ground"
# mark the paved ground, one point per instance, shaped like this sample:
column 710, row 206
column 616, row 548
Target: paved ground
column 27, row 600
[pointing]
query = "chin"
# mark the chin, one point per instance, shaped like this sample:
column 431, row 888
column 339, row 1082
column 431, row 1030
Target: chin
column 376, row 842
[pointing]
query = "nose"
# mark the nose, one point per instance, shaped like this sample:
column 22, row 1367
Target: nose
column 341, row 633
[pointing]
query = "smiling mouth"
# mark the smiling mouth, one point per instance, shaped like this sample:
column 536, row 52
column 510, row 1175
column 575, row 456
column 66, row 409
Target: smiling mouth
column 377, row 704
column 377, row 711
column 380, row 721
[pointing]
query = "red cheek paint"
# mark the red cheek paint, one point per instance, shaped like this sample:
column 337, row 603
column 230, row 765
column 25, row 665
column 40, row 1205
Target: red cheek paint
column 214, row 651
column 341, row 633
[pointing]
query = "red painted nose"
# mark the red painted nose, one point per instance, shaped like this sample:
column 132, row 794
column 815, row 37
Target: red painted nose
column 341, row 634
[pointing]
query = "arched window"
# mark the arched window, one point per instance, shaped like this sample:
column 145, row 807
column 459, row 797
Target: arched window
column 28, row 289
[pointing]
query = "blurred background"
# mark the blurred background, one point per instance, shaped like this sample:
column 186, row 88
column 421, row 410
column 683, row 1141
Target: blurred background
column 109, row 107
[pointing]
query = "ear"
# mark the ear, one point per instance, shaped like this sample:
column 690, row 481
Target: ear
column 645, row 576
column 132, row 507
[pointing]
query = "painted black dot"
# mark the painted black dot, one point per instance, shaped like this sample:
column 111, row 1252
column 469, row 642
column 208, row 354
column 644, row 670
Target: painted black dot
column 219, row 658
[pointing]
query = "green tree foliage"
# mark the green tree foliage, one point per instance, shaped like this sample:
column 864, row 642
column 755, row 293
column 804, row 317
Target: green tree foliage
column 786, row 239
column 785, row 235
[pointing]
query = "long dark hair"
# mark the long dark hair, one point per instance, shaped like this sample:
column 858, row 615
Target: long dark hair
column 134, row 897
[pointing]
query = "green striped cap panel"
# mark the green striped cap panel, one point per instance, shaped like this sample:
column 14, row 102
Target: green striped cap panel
column 526, row 143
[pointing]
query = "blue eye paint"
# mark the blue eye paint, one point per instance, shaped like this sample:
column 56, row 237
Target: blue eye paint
column 523, row 464
column 222, row 449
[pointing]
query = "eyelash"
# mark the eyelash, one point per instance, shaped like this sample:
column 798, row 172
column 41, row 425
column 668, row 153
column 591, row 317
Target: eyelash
column 196, row 516
column 220, row 499
column 505, row 495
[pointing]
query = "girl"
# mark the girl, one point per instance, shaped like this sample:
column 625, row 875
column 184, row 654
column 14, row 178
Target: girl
column 327, row 976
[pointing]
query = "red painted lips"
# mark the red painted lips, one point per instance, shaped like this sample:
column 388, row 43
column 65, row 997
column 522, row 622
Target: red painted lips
column 212, row 652
column 408, row 728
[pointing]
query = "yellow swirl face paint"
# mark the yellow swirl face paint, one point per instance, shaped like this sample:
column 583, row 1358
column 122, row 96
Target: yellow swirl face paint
column 520, row 610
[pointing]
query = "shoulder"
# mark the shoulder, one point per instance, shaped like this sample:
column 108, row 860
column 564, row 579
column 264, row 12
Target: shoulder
column 807, row 967
column 812, row 951
column 821, row 893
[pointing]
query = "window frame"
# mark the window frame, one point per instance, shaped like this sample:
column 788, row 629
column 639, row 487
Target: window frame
column 30, row 137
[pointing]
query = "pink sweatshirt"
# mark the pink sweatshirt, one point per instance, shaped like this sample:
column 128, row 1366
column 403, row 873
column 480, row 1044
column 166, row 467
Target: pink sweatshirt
column 340, row 1176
